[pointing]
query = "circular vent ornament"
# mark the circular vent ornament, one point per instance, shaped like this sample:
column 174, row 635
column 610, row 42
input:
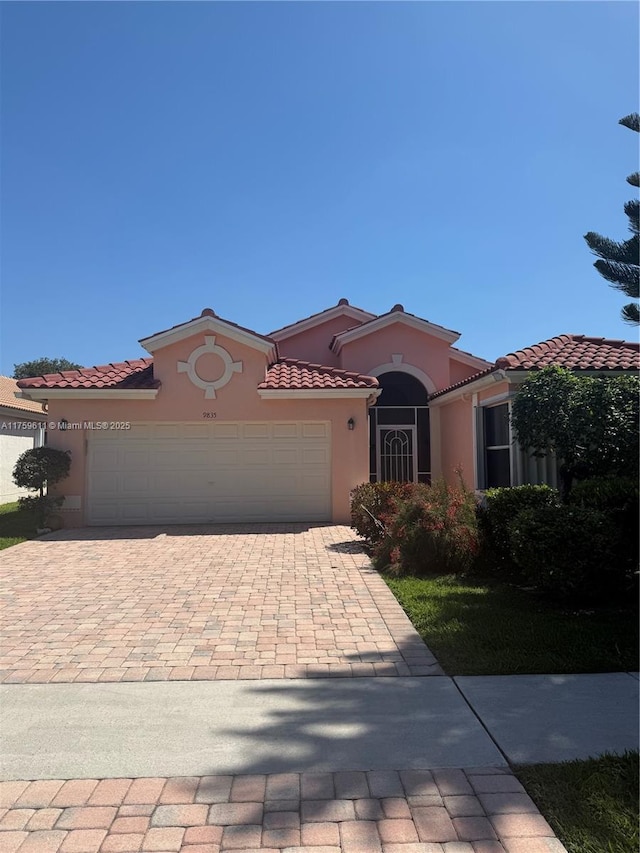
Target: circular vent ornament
column 210, row 348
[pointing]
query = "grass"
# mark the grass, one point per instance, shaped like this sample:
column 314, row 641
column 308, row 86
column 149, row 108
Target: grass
column 591, row 805
column 16, row 525
column 481, row 628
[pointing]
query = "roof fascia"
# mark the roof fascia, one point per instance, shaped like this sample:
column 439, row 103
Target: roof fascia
column 317, row 393
column 385, row 320
column 319, row 319
column 91, row 393
column 201, row 325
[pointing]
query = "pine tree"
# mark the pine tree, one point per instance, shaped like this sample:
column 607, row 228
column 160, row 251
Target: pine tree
column 619, row 263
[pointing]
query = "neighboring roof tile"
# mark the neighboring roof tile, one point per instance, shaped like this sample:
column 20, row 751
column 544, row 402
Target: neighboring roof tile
column 290, row 373
column 575, row 352
column 8, row 389
column 134, row 374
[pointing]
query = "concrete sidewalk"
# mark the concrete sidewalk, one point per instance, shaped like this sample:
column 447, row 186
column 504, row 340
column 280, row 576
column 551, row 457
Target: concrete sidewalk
column 68, row 731
column 536, row 719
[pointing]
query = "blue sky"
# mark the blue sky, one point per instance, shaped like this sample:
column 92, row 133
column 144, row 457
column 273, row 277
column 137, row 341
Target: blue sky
column 267, row 159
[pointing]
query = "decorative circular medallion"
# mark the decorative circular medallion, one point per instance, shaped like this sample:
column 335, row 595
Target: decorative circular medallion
column 210, row 347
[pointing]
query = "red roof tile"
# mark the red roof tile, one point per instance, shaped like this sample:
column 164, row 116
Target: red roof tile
column 134, row 374
column 290, row 373
column 575, row 352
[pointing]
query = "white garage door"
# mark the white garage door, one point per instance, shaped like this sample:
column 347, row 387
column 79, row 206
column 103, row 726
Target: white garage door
column 210, row 472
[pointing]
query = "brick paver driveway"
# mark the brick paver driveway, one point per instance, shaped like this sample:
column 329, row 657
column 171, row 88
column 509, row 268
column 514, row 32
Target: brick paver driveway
column 218, row 602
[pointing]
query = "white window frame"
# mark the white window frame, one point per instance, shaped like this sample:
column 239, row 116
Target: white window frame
column 482, row 447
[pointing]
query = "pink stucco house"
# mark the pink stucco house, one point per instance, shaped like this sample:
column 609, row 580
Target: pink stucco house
column 222, row 423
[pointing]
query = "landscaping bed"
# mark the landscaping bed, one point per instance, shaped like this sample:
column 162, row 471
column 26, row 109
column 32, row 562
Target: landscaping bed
column 592, row 805
column 476, row 627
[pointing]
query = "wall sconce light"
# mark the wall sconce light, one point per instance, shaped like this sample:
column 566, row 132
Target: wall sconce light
column 351, row 423
column 63, row 424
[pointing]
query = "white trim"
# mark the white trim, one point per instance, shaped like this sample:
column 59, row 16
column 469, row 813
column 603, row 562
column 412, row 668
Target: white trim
column 385, row 320
column 498, row 398
column 403, row 367
column 206, row 324
column 436, row 442
column 230, row 367
column 324, row 393
column 469, row 388
column 467, row 358
column 92, row 393
column 318, row 319
column 474, row 438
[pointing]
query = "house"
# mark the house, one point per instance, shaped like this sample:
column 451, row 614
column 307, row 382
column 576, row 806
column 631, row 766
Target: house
column 22, row 426
column 473, row 415
column 221, row 423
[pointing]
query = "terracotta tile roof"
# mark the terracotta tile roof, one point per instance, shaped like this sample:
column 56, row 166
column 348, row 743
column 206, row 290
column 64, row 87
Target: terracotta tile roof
column 290, row 373
column 209, row 312
column 8, row 389
column 575, row 352
column 134, row 374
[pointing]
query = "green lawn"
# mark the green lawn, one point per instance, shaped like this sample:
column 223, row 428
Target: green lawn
column 591, row 805
column 480, row 628
column 15, row 525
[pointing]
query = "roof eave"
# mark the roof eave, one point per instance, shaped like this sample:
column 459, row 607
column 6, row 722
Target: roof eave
column 385, row 320
column 205, row 324
column 318, row 393
column 91, row 393
column 322, row 317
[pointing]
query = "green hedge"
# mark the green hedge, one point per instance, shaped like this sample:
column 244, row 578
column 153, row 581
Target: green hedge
column 496, row 513
column 574, row 553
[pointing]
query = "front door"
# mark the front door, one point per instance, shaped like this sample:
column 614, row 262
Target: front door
column 396, row 453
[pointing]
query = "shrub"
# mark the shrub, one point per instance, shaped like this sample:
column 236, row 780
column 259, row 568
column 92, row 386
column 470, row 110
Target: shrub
column 572, row 552
column 618, row 497
column 495, row 516
column 433, row 531
column 36, row 470
column 372, row 505
column 605, row 493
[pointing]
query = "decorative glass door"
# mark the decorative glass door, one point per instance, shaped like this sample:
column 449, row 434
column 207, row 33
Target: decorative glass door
column 397, row 453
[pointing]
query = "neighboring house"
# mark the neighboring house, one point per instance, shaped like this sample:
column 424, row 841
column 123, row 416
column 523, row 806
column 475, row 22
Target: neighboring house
column 22, row 426
column 225, row 424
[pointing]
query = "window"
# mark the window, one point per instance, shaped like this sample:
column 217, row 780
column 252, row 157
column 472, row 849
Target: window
column 497, row 447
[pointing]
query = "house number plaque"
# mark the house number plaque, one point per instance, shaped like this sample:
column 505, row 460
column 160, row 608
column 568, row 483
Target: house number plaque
column 210, row 348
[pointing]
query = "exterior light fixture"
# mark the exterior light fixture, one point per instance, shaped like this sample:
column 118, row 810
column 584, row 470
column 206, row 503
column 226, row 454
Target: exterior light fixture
column 351, row 423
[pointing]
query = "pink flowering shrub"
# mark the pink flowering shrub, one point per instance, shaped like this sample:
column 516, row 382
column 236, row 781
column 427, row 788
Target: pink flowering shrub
column 433, row 530
column 374, row 504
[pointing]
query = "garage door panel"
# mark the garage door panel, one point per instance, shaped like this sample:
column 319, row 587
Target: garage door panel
column 185, row 472
column 226, row 430
column 314, row 456
column 255, row 430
